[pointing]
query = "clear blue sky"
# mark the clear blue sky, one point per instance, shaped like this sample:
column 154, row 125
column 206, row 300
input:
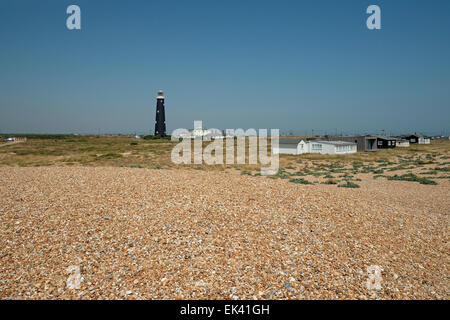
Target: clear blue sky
column 293, row 65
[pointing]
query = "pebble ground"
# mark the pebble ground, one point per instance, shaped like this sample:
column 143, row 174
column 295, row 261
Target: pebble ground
column 190, row 234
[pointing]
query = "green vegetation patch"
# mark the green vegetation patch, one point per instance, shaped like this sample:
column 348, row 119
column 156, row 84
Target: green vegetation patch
column 156, row 137
column 348, row 184
column 300, row 181
column 111, row 155
column 413, row 178
column 331, row 181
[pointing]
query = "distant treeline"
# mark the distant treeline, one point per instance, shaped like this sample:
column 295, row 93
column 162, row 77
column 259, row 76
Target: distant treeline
column 152, row 137
column 65, row 136
column 38, row 136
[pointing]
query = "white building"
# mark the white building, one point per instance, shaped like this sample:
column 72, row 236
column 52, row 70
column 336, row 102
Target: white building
column 424, row 140
column 299, row 146
column 402, row 143
column 198, row 133
column 417, row 138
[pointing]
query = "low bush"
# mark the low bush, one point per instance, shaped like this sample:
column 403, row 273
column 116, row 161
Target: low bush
column 413, row 178
column 111, row 155
column 331, row 181
column 156, row 137
column 348, row 184
column 300, row 181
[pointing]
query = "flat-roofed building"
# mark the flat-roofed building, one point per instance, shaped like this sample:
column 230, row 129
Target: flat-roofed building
column 299, row 146
column 363, row 142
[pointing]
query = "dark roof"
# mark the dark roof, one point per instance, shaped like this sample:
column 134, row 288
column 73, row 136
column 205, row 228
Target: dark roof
column 414, row 135
column 356, row 136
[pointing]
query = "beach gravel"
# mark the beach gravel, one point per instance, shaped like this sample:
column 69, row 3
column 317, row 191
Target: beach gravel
column 192, row 234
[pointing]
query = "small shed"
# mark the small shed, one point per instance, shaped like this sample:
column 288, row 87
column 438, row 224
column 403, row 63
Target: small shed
column 385, row 142
column 402, row 143
column 417, row 138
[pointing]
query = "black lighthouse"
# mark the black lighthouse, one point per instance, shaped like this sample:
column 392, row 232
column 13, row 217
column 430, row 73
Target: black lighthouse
column 160, row 119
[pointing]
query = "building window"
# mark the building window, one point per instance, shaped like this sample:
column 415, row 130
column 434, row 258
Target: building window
column 316, row 146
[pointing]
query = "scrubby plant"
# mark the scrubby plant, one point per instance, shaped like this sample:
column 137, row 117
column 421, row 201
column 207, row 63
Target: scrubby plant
column 111, row 155
column 135, row 166
column 357, row 164
column 429, row 172
column 156, row 137
column 348, row 184
column 283, row 174
column 300, row 181
column 331, row 181
column 413, row 178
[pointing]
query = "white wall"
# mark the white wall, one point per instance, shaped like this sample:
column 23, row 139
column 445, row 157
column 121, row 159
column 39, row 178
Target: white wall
column 330, row 148
column 311, row 147
column 346, row 150
column 303, row 147
column 326, row 148
column 424, row 141
column 285, row 150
